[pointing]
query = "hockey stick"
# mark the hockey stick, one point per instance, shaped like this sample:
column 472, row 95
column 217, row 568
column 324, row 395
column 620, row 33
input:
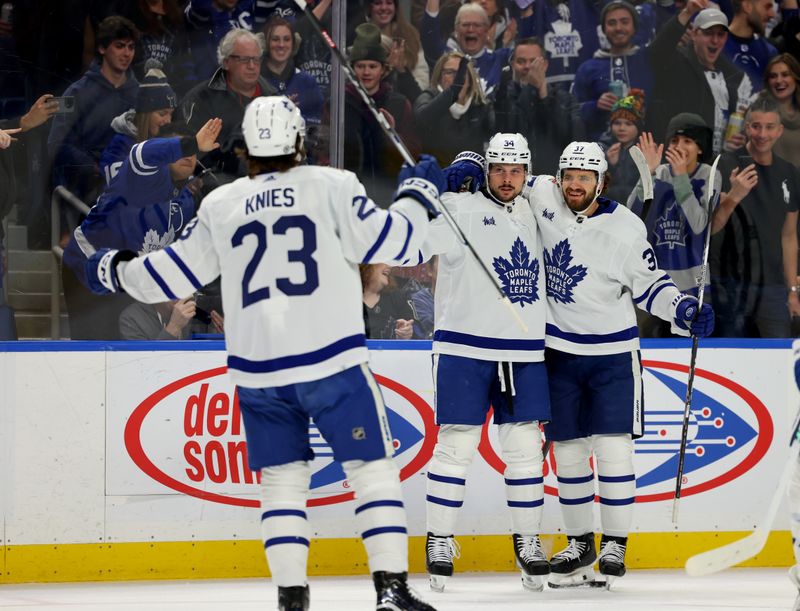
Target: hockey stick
column 394, row 137
column 646, row 177
column 715, row 560
column 687, row 404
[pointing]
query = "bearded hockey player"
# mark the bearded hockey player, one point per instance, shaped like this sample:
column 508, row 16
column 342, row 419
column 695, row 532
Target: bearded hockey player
column 287, row 240
column 483, row 359
column 598, row 266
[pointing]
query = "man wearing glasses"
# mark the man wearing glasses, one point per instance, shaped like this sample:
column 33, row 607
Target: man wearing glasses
column 235, row 83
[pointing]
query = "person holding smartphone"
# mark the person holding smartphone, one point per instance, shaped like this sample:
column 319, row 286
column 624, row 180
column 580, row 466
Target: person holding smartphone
column 754, row 248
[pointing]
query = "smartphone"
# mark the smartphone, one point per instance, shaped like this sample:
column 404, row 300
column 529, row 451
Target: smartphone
column 65, row 105
column 744, row 161
column 203, row 316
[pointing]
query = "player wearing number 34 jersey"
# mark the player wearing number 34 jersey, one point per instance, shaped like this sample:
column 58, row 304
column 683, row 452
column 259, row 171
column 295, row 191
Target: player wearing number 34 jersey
column 287, row 241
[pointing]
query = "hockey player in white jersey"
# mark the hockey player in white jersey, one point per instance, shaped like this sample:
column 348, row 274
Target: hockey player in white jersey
column 598, row 266
column 482, row 358
column 287, row 241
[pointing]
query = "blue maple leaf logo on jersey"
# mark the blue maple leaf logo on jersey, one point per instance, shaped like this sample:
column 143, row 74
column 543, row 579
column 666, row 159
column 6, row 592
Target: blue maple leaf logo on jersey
column 562, row 277
column 519, row 275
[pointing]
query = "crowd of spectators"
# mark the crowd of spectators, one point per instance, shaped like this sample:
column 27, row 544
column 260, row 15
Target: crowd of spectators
column 684, row 80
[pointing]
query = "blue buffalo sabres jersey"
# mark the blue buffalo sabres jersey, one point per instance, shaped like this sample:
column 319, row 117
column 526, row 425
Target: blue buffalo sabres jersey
column 597, row 268
column 288, row 246
column 470, row 319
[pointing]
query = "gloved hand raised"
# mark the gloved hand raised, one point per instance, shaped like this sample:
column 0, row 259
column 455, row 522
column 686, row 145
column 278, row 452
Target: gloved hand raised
column 687, row 317
column 423, row 182
column 460, row 77
column 465, row 173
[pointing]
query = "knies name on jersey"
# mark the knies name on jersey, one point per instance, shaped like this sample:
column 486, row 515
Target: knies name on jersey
column 282, row 197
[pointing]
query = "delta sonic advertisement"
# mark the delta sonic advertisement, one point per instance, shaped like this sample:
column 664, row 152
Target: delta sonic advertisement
column 174, row 429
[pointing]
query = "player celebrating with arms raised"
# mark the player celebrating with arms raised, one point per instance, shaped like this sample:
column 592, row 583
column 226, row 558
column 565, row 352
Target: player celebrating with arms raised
column 287, row 240
column 598, row 265
column 482, row 358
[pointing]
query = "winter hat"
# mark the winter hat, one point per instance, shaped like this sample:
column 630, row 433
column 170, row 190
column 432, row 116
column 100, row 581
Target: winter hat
column 615, row 4
column 631, row 107
column 155, row 93
column 692, row 126
column 367, row 44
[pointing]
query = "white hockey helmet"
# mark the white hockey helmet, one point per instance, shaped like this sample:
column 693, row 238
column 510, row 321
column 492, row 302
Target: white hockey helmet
column 508, row 148
column 271, row 125
column 584, row 156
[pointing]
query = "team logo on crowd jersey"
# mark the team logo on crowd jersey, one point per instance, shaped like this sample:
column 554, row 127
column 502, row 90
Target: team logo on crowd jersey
column 730, row 431
column 518, row 274
column 562, row 277
column 670, row 228
column 189, row 436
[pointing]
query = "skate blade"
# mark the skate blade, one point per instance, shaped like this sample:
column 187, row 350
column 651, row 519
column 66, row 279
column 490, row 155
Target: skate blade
column 609, row 580
column 581, row 578
column 438, row 582
column 532, row 583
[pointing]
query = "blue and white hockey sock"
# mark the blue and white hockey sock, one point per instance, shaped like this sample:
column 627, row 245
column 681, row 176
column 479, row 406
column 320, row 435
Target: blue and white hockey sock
column 284, row 524
column 575, row 485
column 447, row 473
column 521, row 445
column 616, row 482
column 380, row 514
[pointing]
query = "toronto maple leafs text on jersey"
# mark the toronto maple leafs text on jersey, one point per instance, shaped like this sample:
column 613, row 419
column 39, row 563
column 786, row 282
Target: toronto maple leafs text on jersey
column 470, row 319
column 288, row 246
column 597, row 268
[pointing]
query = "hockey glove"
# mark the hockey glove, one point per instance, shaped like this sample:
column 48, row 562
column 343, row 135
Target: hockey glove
column 101, row 270
column 700, row 324
column 465, row 173
column 423, row 182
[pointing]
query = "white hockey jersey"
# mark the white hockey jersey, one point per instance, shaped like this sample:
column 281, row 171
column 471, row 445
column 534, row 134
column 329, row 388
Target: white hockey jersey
column 470, row 318
column 287, row 245
column 597, row 268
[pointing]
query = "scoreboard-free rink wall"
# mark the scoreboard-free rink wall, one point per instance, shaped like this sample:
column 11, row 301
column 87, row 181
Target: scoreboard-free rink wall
column 127, row 460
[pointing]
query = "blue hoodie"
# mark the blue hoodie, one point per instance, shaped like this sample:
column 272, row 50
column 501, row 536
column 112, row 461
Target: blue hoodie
column 78, row 138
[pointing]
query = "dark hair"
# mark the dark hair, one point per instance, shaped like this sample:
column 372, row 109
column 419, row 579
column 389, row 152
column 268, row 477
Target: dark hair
column 530, row 40
column 279, row 163
column 794, row 69
column 175, row 129
column 114, row 28
column 764, row 103
column 275, row 22
column 153, row 24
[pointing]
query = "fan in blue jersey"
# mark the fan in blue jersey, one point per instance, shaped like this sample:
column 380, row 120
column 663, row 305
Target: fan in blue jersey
column 144, row 208
column 598, row 266
column 482, row 359
column 287, row 240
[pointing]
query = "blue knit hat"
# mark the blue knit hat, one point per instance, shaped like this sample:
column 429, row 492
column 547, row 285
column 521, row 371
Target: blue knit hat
column 155, row 93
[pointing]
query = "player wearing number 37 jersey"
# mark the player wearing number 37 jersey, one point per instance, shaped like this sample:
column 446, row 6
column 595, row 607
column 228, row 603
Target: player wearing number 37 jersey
column 287, row 241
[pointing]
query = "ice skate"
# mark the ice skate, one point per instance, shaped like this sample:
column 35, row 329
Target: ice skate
column 531, row 561
column 612, row 558
column 572, row 566
column 293, row 598
column 395, row 595
column 440, row 551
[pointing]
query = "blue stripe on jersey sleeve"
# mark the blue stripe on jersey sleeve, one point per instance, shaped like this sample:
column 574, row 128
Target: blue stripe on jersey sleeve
column 183, row 267
column 159, row 280
column 656, row 292
column 381, row 238
column 491, row 343
column 408, row 237
column 592, row 338
column 644, row 295
column 298, row 360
